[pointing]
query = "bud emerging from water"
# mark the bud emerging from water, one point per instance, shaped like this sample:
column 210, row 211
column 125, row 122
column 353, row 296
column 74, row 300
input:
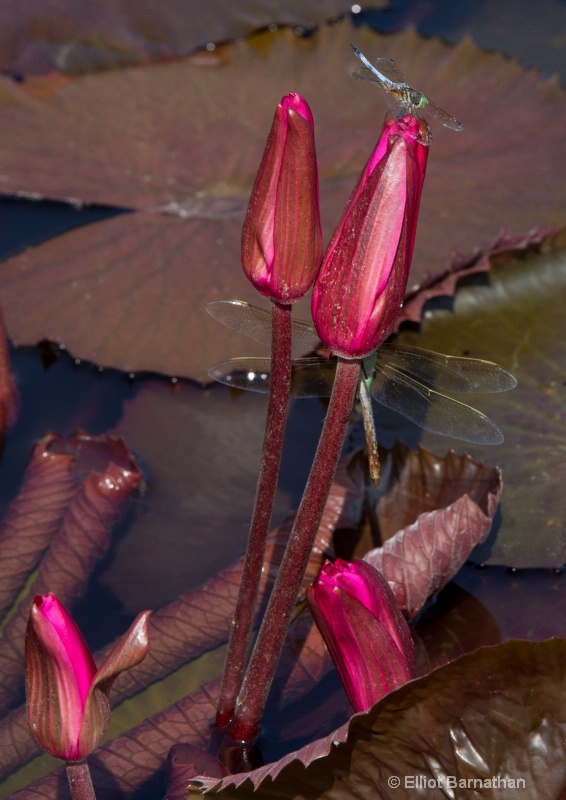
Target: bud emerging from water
column 364, row 630
column 67, row 703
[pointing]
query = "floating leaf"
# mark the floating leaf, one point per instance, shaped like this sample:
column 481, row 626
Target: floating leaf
column 422, row 557
column 100, row 34
column 514, row 318
column 496, row 715
column 181, row 143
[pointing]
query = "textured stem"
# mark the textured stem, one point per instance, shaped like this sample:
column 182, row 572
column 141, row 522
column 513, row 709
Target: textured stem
column 278, row 403
column 268, row 646
column 80, row 781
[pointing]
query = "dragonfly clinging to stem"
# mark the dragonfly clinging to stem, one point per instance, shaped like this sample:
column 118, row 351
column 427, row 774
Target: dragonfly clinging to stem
column 401, row 97
column 399, row 377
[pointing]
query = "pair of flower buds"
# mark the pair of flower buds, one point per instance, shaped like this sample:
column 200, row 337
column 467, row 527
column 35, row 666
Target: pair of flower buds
column 358, row 291
column 67, row 696
column 360, row 282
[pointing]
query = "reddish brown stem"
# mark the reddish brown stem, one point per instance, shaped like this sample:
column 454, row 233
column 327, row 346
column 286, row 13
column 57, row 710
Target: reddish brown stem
column 265, row 655
column 278, row 403
column 80, row 781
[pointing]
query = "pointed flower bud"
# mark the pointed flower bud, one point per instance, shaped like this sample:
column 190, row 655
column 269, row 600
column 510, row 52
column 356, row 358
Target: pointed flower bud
column 282, row 238
column 364, row 630
column 361, row 284
column 67, row 697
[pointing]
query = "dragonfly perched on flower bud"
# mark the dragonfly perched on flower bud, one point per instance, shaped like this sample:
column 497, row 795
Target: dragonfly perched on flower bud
column 400, row 95
column 406, row 379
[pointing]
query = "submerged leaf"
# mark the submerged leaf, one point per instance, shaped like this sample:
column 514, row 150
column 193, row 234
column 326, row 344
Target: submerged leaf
column 206, row 442
column 181, row 143
column 34, row 516
column 81, row 540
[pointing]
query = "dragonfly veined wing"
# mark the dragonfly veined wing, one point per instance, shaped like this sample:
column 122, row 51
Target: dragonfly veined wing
column 447, row 373
column 401, row 97
column 310, row 377
column 255, row 322
column 430, row 409
column 406, row 379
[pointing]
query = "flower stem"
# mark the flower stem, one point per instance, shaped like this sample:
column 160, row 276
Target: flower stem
column 267, row 650
column 80, row 781
column 278, row 403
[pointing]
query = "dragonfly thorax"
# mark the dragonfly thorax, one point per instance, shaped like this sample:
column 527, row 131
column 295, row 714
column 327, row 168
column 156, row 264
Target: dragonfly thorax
column 422, row 101
column 413, row 99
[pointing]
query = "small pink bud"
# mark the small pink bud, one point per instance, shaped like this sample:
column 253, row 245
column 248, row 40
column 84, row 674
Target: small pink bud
column 361, row 284
column 66, row 696
column 364, row 630
column 282, row 238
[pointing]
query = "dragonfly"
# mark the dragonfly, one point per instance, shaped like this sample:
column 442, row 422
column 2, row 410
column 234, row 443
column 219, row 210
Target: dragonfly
column 406, row 379
column 400, row 95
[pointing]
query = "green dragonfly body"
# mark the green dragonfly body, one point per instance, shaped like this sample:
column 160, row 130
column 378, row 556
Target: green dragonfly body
column 400, row 95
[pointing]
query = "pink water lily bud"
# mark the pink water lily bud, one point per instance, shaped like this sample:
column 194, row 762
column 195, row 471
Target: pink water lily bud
column 364, row 630
column 282, row 237
column 67, row 697
column 361, row 284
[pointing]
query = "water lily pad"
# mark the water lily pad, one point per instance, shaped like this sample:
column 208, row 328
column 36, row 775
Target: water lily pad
column 515, row 318
column 101, row 34
column 180, row 143
column 495, row 716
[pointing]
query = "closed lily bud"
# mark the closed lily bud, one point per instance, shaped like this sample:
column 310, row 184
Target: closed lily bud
column 66, row 696
column 361, row 284
column 364, row 630
column 282, row 238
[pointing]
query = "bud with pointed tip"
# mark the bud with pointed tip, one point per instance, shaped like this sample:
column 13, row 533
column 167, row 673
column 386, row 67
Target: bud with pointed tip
column 282, row 238
column 361, row 284
column 364, row 630
column 66, row 696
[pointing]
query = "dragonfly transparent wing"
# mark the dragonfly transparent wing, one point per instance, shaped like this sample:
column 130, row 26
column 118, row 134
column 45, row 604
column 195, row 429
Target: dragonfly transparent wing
column 442, row 116
column 431, row 410
column 387, row 77
column 255, row 322
column 310, row 377
column 400, row 95
column 447, row 373
column 390, row 69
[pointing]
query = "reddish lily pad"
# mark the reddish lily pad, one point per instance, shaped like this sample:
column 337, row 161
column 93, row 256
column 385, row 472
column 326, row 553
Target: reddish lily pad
column 181, row 143
column 495, row 716
column 515, row 319
column 102, row 34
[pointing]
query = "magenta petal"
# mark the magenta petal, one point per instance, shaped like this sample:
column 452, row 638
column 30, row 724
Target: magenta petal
column 297, row 103
column 281, row 238
column 63, row 640
column 361, row 283
column 59, row 672
column 364, row 630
